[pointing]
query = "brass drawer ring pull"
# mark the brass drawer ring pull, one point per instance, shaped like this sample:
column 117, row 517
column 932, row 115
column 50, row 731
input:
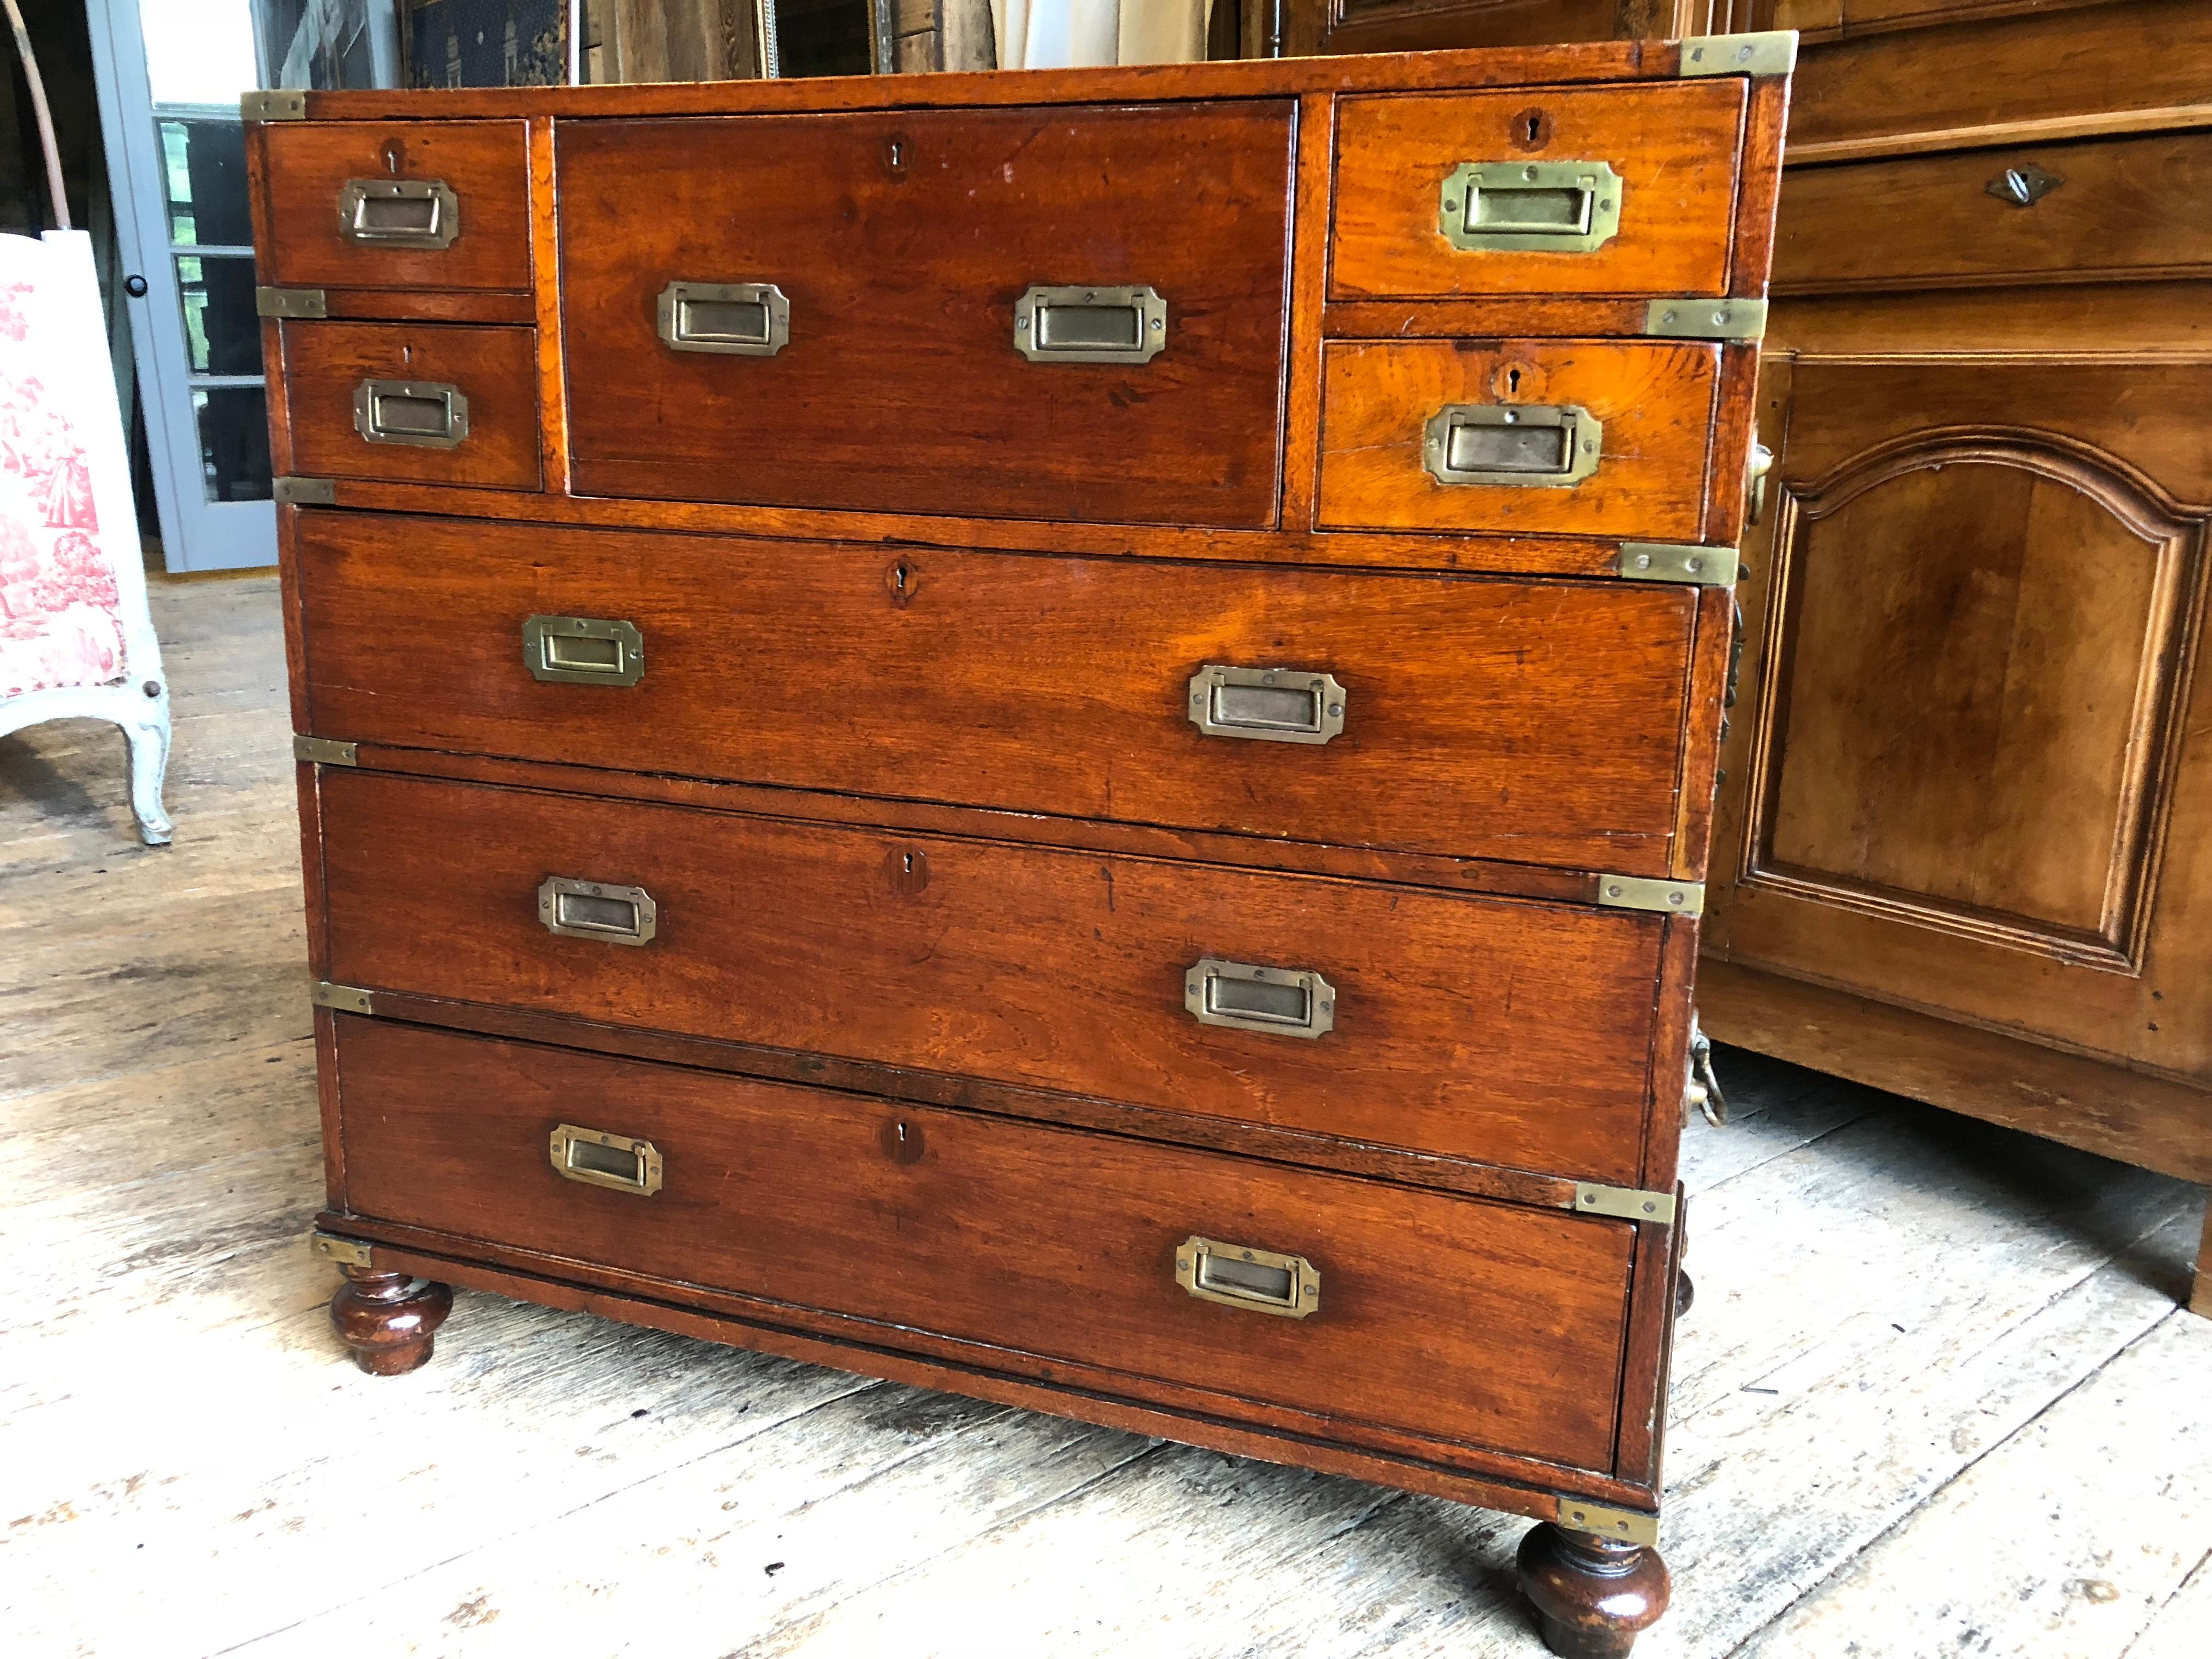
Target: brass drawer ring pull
column 1518, row 445
column 738, row 320
column 1530, row 207
column 430, row 414
column 1246, row 997
column 1091, row 324
column 600, row 1159
column 420, row 213
column 593, row 910
column 1263, row 1281
column 1275, row 705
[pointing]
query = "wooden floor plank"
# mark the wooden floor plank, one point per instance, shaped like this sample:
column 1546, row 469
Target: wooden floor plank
column 1934, row 1395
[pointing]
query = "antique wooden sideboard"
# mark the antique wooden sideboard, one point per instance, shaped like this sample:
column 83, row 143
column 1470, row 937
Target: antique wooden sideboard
column 1965, row 842
column 1049, row 734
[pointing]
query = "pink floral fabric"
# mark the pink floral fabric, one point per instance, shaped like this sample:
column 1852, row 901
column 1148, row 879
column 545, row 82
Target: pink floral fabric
column 60, row 615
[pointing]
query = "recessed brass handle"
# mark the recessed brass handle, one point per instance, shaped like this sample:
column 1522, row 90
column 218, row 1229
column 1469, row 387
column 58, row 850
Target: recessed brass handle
column 1530, row 207
column 428, row 413
column 600, row 1159
column 1282, row 1001
column 1265, row 1281
column 595, row 910
column 1275, row 705
column 583, row 650
column 738, row 319
column 1091, row 324
column 399, row 212
column 1520, row 445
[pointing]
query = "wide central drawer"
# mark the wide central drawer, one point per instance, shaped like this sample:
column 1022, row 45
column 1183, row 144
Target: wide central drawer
column 1534, row 721
column 1405, row 1017
column 1475, row 1323
column 1013, row 312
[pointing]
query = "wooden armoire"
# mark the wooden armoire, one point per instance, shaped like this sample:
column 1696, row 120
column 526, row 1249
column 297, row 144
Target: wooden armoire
column 1964, row 841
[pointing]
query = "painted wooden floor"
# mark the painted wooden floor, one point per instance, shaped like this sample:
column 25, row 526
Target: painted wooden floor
column 1935, row 1397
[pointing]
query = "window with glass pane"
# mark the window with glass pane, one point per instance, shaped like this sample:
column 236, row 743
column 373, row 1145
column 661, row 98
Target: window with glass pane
column 233, row 422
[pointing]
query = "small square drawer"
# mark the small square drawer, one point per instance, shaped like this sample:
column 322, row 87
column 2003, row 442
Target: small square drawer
column 421, row 403
column 1385, row 1309
column 442, row 204
column 1541, row 437
column 1610, row 191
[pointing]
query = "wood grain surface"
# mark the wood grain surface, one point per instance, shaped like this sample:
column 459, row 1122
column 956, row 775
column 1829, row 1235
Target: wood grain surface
column 1443, row 1315
column 2126, row 209
column 495, row 368
column 902, row 242
column 1676, row 148
column 1539, row 722
column 482, row 162
column 1023, row 965
column 1656, row 402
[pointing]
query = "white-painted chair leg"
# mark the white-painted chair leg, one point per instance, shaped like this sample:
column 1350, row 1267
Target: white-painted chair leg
column 149, row 763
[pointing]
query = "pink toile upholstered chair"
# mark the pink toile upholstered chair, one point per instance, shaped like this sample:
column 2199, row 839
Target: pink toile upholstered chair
column 77, row 641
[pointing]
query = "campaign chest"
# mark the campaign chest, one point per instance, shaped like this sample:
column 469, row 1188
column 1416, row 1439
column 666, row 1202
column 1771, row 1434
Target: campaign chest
column 1051, row 734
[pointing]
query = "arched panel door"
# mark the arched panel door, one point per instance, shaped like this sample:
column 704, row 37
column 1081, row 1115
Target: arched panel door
column 1972, row 771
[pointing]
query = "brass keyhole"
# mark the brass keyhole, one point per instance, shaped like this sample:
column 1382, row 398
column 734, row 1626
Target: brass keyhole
column 1531, row 129
column 901, row 1141
column 394, row 153
column 1512, row 380
column 901, row 580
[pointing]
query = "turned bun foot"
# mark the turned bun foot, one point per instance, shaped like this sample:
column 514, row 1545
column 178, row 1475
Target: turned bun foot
column 388, row 1319
column 1593, row 1595
column 1685, row 1294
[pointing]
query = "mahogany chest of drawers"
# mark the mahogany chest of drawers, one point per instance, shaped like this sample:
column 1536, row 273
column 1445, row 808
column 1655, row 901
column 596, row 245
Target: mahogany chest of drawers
column 1049, row 734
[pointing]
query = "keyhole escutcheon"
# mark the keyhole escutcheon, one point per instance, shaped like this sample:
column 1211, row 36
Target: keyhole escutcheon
column 1531, row 129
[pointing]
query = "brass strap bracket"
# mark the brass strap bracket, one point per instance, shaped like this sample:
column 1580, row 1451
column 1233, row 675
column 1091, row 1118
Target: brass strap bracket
column 1679, row 898
column 304, row 492
column 1628, row 1526
column 346, row 998
column 290, row 302
column 273, row 107
column 1628, row 1203
column 1706, row 320
column 1667, row 562
column 322, row 751
column 1774, row 52
column 346, row 1252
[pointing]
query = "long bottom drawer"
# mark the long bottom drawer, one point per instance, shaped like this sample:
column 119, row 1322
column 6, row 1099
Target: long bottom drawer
column 1417, row 1312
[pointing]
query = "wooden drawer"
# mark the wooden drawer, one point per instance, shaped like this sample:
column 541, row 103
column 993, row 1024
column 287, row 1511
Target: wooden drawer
column 1534, row 721
column 2114, row 208
column 1025, row 966
column 1663, row 159
column 1444, row 1317
column 443, row 204
column 904, row 244
column 424, row 382
column 1385, row 407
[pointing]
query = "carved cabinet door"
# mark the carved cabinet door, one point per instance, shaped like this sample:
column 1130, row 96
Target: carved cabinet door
column 1971, row 766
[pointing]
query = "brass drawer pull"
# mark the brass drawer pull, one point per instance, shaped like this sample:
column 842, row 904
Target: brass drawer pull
column 1530, row 207
column 1261, row 1280
column 399, row 212
column 600, row 1159
column 1283, row 1001
column 739, row 320
column 1276, row 705
column 1523, row 445
column 426, row 412
column 1091, row 324
column 583, row 650
column 593, row 909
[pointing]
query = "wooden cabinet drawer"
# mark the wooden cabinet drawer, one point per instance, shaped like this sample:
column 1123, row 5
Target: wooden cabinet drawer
column 442, row 204
column 1444, row 1317
column 2114, row 208
column 1534, row 721
column 1541, row 437
column 1024, row 966
column 1662, row 160
column 903, row 246
column 430, row 402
